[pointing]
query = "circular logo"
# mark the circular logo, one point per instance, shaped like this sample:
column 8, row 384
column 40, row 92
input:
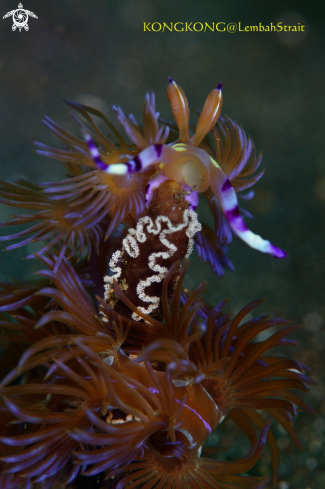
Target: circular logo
column 20, row 18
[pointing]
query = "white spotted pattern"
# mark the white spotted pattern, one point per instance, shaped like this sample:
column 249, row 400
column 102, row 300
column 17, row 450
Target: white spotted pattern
column 145, row 226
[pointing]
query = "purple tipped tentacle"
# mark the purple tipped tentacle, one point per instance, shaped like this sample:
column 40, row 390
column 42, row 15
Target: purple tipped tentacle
column 211, row 251
column 95, row 153
column 223, row 231
column 134, row 121
column 163, row 134
column 150, row 156
column 152, row 100
column 132, row 131
column 246, row 153
column 114, row 169
column 227, row 197
column 249, row 196
column 246, row 213
column 160, row 133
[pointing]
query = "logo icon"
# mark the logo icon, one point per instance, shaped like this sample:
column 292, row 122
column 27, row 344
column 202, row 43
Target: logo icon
column 20, row 18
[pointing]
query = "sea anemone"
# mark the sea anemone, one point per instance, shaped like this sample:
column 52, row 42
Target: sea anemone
column 76, row 234
column 95, row 399
column 157, row 469
column 128, row 385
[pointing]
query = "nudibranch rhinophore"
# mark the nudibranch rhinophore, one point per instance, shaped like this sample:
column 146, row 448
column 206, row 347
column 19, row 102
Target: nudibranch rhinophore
column 188, row 164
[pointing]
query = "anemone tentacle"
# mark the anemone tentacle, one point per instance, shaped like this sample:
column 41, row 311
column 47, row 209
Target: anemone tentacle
column 189, row 470
column 130, row 384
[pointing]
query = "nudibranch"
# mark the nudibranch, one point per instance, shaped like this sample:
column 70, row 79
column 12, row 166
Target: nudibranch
column 137, row 380
column 188, row 164
column 112, row 183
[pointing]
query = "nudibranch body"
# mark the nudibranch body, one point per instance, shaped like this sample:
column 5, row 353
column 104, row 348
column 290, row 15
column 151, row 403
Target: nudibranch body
column 114, row 183
column 186, row 163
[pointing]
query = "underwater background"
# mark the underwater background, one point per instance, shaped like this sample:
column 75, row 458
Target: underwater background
column 95, row 52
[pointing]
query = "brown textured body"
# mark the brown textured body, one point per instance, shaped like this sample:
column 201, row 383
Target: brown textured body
column 168, row 200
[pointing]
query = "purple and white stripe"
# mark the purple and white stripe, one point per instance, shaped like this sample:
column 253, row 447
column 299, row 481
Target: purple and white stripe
column 94, row 153
column 227, row 197
column 219, row 182
column 143, row 160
